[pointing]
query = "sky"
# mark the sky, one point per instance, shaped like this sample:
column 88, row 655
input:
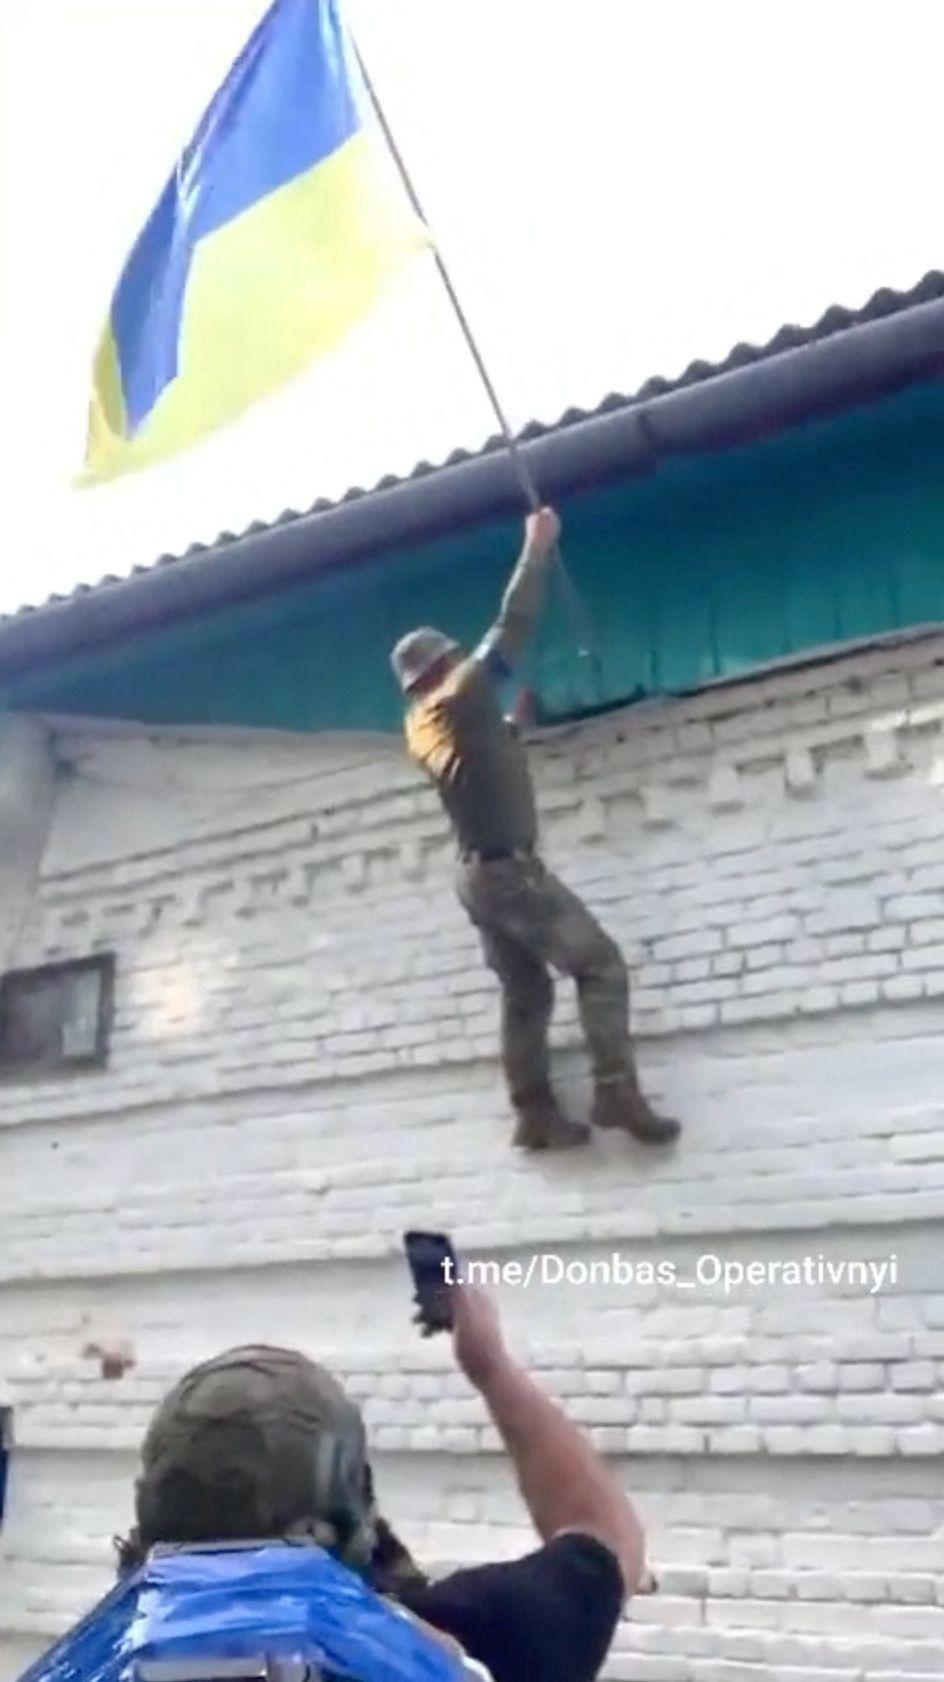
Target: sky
column 618, row 187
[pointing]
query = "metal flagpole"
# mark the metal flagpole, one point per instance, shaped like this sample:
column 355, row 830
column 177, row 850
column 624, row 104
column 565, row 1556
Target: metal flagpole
column 578, row 612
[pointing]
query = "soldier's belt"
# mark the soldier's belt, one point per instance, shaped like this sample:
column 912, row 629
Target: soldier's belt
column 474, row 855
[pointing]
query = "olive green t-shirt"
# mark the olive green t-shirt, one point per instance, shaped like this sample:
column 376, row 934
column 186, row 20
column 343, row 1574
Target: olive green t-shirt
column 459, row 736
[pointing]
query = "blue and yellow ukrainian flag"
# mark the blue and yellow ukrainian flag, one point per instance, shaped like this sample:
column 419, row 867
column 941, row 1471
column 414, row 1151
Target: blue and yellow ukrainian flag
column 280, row 227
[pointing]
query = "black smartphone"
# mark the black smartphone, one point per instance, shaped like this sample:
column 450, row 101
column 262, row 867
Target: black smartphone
column 433, row 1266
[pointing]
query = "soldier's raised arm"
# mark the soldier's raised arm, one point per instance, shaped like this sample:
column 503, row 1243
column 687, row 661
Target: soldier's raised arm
column 524, row 597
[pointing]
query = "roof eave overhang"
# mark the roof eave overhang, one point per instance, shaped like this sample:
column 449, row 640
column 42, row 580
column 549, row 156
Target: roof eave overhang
column 841, row 372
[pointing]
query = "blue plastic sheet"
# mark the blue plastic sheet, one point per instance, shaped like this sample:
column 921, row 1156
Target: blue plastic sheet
column 288, row 1603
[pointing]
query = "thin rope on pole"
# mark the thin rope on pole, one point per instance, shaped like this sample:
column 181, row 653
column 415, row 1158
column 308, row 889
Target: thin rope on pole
column 529, row 490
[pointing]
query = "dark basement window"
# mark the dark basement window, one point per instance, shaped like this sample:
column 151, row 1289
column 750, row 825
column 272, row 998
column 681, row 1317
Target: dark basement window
column 57, row 1017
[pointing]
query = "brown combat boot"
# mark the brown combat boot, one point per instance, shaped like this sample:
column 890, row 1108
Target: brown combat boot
column 619, row 1104
column 542, row 1125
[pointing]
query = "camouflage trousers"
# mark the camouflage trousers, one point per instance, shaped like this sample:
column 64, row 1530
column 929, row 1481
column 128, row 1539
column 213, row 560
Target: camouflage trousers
column 530, row 925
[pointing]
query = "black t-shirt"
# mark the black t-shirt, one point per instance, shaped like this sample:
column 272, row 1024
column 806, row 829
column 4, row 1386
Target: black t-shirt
column 549, row 1617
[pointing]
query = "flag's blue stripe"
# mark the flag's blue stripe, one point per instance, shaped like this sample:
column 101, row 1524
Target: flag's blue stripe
column 292, row 98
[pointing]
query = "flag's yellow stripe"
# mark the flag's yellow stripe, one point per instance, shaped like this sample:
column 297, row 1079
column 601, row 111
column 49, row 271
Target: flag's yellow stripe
column 270, row 291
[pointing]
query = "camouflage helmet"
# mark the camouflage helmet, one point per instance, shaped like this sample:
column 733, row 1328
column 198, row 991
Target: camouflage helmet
column 417, row 653
column 257, row 1442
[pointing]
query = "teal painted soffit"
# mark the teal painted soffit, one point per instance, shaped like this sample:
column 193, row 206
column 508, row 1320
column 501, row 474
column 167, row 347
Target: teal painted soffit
column 830, row 532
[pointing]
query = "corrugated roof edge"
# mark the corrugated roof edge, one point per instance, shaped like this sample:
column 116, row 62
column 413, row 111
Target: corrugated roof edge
column 848, row 357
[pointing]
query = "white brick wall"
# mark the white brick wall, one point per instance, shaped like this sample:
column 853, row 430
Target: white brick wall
column 26, row 803
column 304, row 1064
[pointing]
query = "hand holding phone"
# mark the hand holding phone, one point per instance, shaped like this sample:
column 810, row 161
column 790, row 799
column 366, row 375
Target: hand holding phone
column 434, row 1268
column 477, row 1335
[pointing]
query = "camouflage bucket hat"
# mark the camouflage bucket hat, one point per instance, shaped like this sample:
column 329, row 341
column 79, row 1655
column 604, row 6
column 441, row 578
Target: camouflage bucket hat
column 257, row 1442
column 417, row 653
